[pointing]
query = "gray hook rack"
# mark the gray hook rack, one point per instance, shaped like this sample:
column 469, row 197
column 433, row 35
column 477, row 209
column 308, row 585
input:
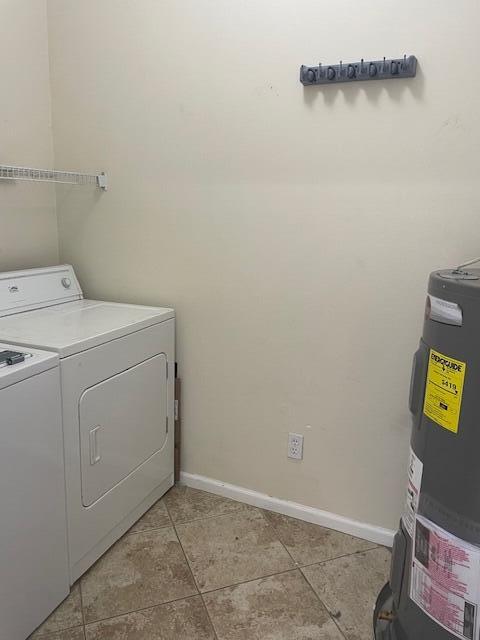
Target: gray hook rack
column 390, row 69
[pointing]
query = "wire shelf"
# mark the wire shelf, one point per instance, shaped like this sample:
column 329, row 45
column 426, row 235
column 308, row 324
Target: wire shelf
column 8, row 172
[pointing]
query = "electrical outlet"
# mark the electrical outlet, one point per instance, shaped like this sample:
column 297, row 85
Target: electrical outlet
column 295, row 446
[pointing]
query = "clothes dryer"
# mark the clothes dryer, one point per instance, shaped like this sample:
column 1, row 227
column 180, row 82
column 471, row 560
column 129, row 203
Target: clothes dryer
column 117, row 383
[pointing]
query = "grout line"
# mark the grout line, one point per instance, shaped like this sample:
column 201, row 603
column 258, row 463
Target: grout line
column 163, row 498
column 237, row 584
column 335, row 622
column 133, row 533
column 50, row 635
column 192, row 574
column 209, row 617
column 127, row 613
column 159, row 604
column 326, row 562
column 46, row 635
column 300, row 565
column 81, row 600
column 269, row 575
column 215, row 633
column 344, row 555
column 81, row 608
column 278, row 573
column 277, row 535
column 219, row 515
column 327, row 609
column 154, row 528
column 242, row 581
column 226, row 587
column 174, row 523
column 184, row 554
column 331, row 616
column 321, row 526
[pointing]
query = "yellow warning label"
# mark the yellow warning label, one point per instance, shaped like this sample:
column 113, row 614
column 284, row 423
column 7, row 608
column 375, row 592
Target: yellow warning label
column 443, row 394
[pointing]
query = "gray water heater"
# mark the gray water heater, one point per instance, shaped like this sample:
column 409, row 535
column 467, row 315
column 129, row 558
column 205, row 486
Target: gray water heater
column 434, row 587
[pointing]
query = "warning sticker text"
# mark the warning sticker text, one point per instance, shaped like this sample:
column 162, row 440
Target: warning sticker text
column 445, row 578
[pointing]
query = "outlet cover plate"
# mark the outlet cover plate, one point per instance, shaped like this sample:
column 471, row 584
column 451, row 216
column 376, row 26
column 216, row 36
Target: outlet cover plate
column 295, row 446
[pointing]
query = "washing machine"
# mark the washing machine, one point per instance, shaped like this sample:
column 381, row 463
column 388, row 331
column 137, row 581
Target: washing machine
column 117, row 387
column 34, row 575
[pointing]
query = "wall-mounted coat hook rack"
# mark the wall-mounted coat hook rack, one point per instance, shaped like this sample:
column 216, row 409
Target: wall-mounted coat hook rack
column 390, row 69
column 9, row 172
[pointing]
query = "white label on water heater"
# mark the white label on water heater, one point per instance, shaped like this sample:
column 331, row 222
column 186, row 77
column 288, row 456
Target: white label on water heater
column 415, row 472
column 444, row 311
column 445, row 579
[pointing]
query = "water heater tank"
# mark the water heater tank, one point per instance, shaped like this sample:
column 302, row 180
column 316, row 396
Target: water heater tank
column 434, row 587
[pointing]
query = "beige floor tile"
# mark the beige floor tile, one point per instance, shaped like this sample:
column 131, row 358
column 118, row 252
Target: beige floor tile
column 180, row 620
column 66, row 616
column 234, row 548
column 309, row 543
column 186, row 504
column 349, row 587
column 155, row 518
column 68, row 634
column 141, row 570
column 281, row 607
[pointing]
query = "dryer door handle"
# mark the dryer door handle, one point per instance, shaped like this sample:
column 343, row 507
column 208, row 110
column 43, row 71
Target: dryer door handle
column 94, row 448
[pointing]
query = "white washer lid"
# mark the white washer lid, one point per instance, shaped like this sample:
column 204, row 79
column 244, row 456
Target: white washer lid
column 35, row 362
column 72, row 327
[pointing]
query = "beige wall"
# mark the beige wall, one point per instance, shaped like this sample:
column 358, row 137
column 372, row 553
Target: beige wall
column 293, row 230
column 28, row 225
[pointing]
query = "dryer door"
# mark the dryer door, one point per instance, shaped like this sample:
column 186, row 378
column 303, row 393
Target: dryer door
column 122, row 424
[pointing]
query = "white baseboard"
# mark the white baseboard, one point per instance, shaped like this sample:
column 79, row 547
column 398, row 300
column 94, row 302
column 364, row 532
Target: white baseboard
column 370, row 532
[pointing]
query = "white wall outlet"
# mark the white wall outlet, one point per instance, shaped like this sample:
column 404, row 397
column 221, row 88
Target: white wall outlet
column 295, row 446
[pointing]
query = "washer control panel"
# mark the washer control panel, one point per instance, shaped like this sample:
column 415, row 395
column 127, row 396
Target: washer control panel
column 37, row 289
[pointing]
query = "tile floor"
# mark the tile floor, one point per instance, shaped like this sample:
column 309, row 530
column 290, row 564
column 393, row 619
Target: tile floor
column 201, row 567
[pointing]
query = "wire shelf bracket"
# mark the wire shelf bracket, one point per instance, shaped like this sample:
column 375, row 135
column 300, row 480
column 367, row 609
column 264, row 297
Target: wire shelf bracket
column 9, row 172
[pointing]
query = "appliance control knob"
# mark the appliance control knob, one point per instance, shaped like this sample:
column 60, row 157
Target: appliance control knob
column 67, row 283
column 351, row 73
column 372, row 70
column 331, row 73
